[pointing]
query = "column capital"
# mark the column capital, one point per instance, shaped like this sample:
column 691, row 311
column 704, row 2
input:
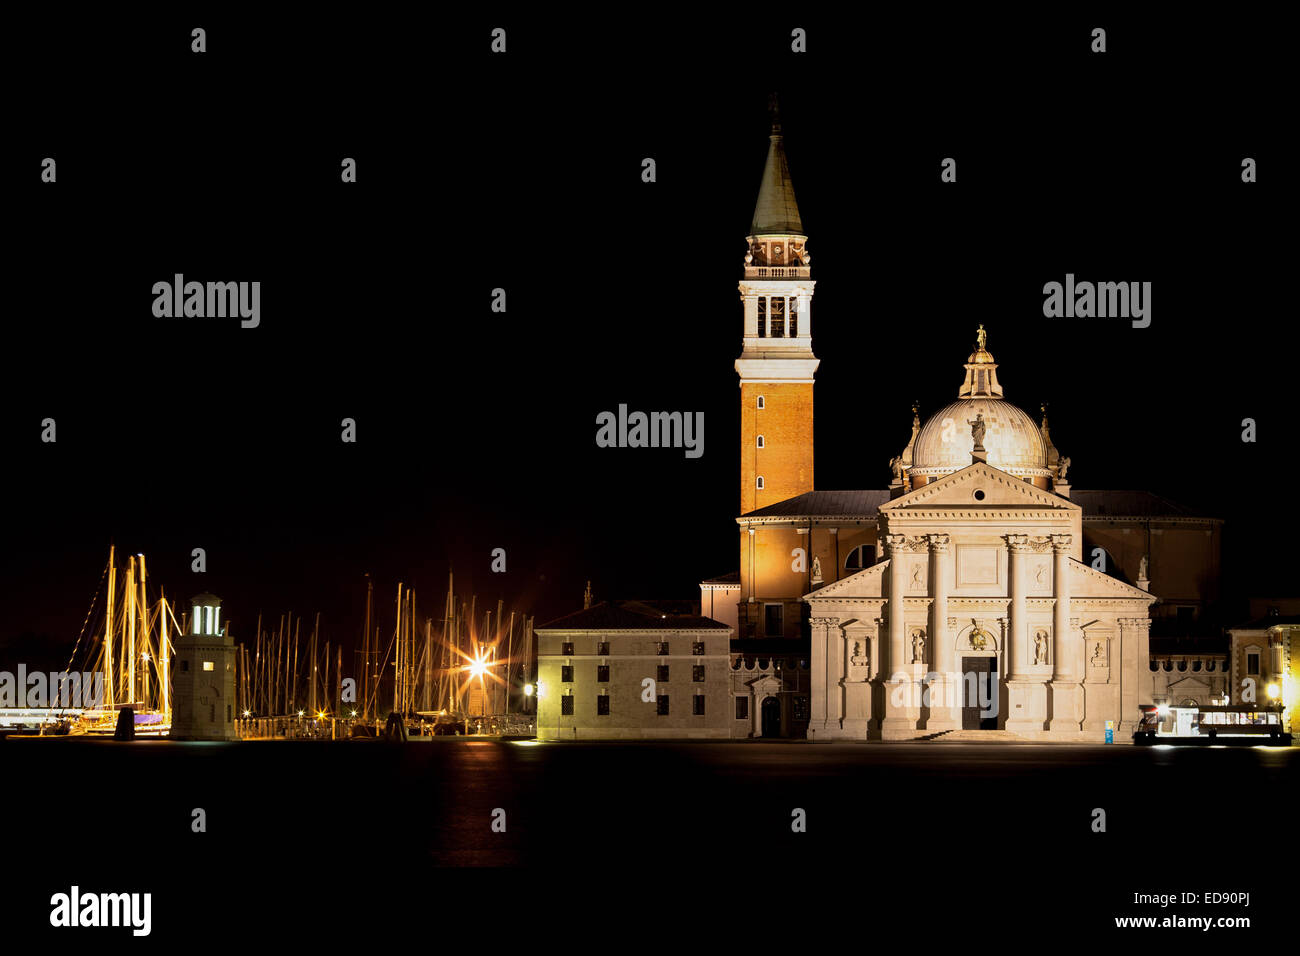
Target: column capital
column 938, row 542
column 895, row 542
column 1016, row 542
column 1060, row 542
column 826, row 622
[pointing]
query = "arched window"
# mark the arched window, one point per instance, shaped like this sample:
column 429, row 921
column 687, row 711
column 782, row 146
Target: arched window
column 863, row 556
column 761, row 403
column 760, row 482
column 760, row 441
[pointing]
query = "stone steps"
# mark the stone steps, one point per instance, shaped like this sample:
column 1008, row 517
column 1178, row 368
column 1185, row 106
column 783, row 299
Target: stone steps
column 976, row 736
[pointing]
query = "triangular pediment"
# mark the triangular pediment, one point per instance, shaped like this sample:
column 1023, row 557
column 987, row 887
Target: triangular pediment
column 1087, row 582
column 1000, row 490
column 866, row 583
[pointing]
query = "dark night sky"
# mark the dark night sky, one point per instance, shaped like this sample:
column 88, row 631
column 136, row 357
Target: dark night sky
column 477, row 429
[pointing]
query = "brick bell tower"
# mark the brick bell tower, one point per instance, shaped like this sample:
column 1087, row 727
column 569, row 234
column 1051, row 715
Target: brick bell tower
column 776, row 365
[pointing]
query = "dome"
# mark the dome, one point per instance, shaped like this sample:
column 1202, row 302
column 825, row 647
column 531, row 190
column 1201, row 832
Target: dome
column 1011, row 438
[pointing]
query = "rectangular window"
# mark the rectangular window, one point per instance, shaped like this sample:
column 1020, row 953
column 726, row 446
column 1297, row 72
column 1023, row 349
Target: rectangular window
column 699, row 705
column 663, row 649
column 602, row 705
column 697, row 648
column 773, row 618
column 762, row 318
column 697, row 673
column 742, row 708
column 207, row 665
column 663, row 705
column 212, row 713
column 566, row 673
column 185, row 665
column 794, row 316
column 602, row 648
column 602, row 673
column 1186, row 619
column 228, row 715
column 567, row 649
column 800, row 708
column 566, row 705
column 778, row 317
column 1252, row 663
column 663, row 673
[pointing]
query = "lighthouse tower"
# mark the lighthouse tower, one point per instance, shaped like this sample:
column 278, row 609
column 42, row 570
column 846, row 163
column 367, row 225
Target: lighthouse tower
column 203, row 698
column 776, row 365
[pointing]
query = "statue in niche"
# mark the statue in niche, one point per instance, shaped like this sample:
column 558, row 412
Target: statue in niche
column 916, row 576
column 1040, row 647
column 858, row 659
column 1099, row 655
column 1039, row 573
column 816, row 570
column 1064, row 467
column 1142, row 568
column 918, row 646
column 977, row 431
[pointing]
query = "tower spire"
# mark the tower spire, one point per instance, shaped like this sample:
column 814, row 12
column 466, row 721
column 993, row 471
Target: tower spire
column 776, row 213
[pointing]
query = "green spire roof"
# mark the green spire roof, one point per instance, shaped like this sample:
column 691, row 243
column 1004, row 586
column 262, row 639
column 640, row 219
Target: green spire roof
column 776, row 212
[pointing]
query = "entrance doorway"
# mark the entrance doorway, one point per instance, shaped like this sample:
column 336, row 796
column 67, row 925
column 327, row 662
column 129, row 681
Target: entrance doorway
column 979, row 693
column 771, row 717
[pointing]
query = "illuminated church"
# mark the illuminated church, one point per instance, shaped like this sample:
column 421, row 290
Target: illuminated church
column 957, row 599
column 976, row 595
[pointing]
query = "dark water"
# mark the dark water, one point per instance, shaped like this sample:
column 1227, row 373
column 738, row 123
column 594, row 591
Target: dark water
column 938, row 840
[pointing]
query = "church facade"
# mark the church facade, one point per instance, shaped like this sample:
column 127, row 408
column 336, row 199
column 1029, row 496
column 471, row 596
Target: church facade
column 978, row 593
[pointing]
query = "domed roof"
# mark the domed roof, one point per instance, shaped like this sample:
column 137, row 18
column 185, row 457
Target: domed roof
column 1011, row 438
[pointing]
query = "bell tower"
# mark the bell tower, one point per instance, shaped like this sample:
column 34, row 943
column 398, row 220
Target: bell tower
column 776, row 364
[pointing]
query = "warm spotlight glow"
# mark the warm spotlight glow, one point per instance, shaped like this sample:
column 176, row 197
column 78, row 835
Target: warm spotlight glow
column 1273, row 691
column 248, row 713
column 300, row 713
column 478, row 666
column 528, row 690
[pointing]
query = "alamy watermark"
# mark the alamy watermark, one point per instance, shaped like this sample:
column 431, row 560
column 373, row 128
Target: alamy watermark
column 208, row 300
column 75, row 908
column 652, row 430
column 945, row 690
column 1100, row 300
column 75, row 690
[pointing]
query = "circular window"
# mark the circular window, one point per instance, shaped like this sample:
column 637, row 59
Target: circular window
column 979, row 496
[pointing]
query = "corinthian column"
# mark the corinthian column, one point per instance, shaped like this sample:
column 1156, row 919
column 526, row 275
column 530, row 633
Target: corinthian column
column 944, row 712
column 1067, row 651
column 897, row 580
column 902, row 706
column 1017, row 545
column 1063, row 650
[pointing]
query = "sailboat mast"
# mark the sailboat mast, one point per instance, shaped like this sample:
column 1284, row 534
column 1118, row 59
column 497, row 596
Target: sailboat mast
column 130, row 618
column 397, row 671
column 365, row 653
column 109, row 690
